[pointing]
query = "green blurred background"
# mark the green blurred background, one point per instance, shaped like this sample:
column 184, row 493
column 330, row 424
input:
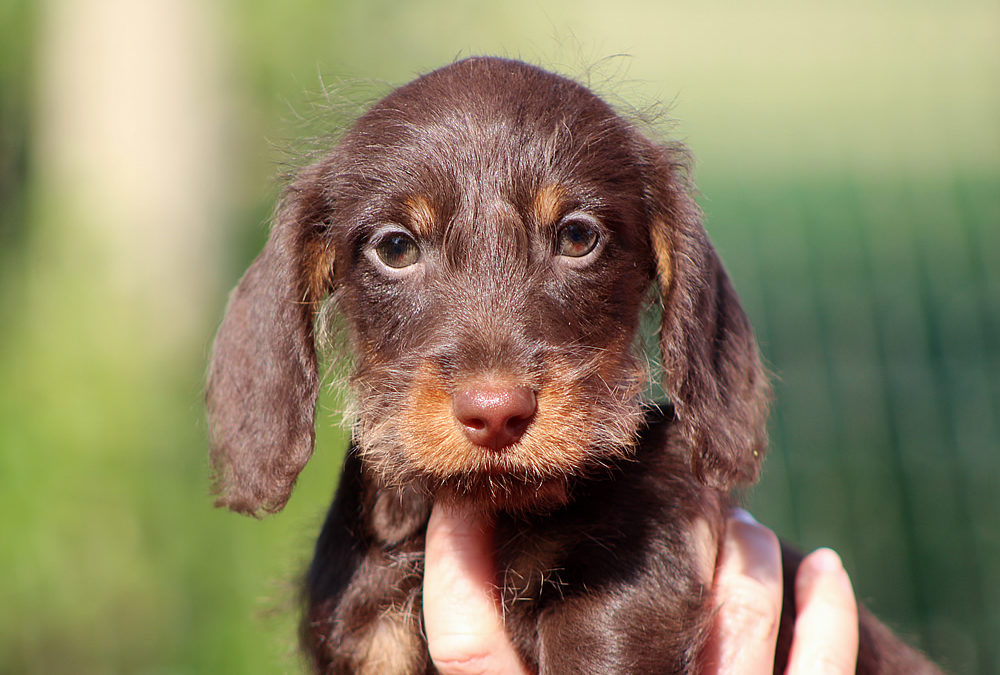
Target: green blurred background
column 849, row 159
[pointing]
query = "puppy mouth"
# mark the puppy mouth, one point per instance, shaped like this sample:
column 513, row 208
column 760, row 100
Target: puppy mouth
column 499, row 440
column 501, row 491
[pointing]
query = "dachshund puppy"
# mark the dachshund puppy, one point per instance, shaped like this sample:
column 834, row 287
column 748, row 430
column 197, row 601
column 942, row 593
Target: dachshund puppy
column 490, row 235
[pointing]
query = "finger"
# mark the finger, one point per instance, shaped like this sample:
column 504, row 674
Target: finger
column 748, row 595
column 462, row 618
column 826, row 628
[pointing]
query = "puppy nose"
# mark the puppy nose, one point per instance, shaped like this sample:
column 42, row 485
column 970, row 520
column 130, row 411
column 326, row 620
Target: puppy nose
column 494, row 416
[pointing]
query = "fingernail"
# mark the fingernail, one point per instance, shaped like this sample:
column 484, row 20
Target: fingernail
column 743, row 516
column 826, row 560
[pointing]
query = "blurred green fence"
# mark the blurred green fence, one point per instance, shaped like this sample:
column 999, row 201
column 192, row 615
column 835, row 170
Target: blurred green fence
column 878, row 307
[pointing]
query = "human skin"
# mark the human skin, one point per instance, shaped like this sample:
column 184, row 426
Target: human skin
column 465, row 630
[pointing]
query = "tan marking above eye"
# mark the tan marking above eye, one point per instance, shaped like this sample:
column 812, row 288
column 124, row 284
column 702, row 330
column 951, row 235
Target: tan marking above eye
column 422, row 218
column 548, row 204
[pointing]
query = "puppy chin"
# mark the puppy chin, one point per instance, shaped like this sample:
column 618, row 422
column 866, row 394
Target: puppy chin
column 492, row 493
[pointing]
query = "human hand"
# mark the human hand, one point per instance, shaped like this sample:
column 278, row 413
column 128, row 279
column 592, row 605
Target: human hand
column 462, row 616
column 464, row 623
column 748, row 594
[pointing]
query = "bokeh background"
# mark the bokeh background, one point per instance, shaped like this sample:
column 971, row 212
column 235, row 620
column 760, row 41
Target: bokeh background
column 849, row 160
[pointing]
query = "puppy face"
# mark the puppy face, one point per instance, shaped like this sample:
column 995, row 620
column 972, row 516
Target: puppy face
column 495, row 247
column 489, row 232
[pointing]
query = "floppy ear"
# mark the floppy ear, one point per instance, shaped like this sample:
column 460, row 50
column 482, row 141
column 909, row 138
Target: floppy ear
column 262, row 381
column 712, row 368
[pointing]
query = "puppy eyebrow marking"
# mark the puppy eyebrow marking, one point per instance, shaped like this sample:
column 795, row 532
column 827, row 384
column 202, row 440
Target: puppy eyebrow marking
column 422, row 217
column 548, row 204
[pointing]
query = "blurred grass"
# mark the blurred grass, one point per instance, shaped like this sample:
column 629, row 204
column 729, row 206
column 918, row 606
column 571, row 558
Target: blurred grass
column 849, row 159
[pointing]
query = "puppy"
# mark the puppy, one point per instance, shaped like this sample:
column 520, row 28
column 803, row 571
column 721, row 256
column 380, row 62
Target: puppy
column 490, row 235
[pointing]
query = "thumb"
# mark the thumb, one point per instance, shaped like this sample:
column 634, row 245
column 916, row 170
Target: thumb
column 462, row 616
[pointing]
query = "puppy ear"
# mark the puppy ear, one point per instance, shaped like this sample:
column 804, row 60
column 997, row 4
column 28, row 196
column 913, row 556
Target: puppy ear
column 712, row 367
column 263, row 381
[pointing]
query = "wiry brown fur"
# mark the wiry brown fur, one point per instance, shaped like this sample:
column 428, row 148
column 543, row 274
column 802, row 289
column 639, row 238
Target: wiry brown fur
column 600, row 499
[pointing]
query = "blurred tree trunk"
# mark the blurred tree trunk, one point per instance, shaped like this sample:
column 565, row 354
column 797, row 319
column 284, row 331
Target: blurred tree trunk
column 102, row 457
column 133, row 163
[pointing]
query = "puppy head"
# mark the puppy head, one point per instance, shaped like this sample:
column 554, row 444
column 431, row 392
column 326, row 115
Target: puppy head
column 489, row 232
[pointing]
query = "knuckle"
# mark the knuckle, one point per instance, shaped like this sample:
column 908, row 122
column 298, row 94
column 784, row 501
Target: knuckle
column 752, row 608
column 824, row 663
column 461, row 655
column 473, row 665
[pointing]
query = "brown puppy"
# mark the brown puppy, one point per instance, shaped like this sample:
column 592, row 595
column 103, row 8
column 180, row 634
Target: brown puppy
column 491, row 234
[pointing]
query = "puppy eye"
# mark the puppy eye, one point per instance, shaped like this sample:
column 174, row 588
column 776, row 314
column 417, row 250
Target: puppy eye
column 578, row 235
column 397, row 250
